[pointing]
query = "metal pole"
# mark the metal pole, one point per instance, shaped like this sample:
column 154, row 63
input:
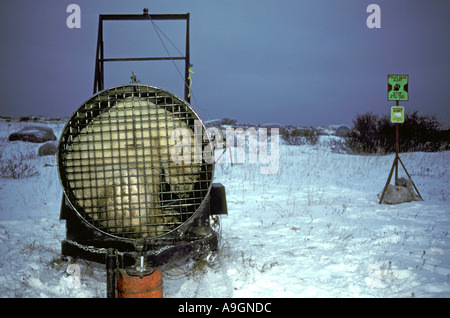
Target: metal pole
column 97, row 53
column 111, row 259
column 102, row 64
column 396, row 152
column 142, row 59
column 396, row 147
column 187, row 62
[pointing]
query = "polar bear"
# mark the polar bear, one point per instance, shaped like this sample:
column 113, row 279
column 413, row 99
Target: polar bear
column 117, row 162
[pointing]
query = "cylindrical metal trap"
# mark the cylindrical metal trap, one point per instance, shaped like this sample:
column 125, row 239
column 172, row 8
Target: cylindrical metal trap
column 134, row 165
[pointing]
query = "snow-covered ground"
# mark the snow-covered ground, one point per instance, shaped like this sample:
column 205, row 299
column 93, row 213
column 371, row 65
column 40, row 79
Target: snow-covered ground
column 313, row 229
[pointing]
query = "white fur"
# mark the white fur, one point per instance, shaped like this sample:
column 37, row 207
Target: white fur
column 124, row 154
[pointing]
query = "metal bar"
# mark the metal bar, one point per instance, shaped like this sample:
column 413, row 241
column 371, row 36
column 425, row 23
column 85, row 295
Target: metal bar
column 102, row 66
column 141, row 59
column 396, row 145
column 142, row 17
column 396, row 150
column 97, row 71
column 110, row 260
column 187, row 97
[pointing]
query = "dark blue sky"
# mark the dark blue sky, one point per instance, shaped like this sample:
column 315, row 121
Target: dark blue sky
column 302, row 62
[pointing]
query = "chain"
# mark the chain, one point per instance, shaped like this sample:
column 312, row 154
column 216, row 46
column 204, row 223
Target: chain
column 91, row 249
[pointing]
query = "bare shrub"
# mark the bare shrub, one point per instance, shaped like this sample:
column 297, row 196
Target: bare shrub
column 300, row 136
column 228, row 121
column 374, row 134
column 339, row 146
column 15, row 167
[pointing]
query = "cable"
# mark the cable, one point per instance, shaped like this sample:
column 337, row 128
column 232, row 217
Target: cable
column 158, row 31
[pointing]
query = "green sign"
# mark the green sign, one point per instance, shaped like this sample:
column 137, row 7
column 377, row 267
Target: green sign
column 397, row 87
column 397, row 114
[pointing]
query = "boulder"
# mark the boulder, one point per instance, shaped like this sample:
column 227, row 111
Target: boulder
column 342, row 131
column 406, row 183
column 36, row 134
column 401, row 192
column 50, row 148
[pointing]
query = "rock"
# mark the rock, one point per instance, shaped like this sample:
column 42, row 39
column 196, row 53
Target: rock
column 50, row 148
column 342, row 131
column 36, row 134
column 401, row 192
column 406, row 183
column 395, row 195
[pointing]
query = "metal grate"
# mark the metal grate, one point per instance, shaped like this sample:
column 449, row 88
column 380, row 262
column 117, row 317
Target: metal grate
column 130, row 162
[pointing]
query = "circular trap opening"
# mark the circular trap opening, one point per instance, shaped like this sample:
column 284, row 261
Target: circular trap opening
column 130, row 162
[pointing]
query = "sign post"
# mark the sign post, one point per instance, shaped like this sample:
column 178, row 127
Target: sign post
column 397, row 90
column 397, row 117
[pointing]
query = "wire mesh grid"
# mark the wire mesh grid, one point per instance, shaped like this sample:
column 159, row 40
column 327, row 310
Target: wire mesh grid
column 130, row 162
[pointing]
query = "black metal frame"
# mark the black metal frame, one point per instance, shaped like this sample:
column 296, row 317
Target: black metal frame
column 193, row 239
column 99, row 78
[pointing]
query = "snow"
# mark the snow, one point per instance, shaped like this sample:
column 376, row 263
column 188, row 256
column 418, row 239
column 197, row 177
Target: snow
column 312, row 229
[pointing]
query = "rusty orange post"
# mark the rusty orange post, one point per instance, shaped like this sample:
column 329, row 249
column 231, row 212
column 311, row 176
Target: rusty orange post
column 148, row 286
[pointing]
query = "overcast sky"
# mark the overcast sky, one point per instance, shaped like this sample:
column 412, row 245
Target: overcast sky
column 298, row 62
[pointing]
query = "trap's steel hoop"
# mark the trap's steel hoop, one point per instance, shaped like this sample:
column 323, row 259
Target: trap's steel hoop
column 131, row 164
